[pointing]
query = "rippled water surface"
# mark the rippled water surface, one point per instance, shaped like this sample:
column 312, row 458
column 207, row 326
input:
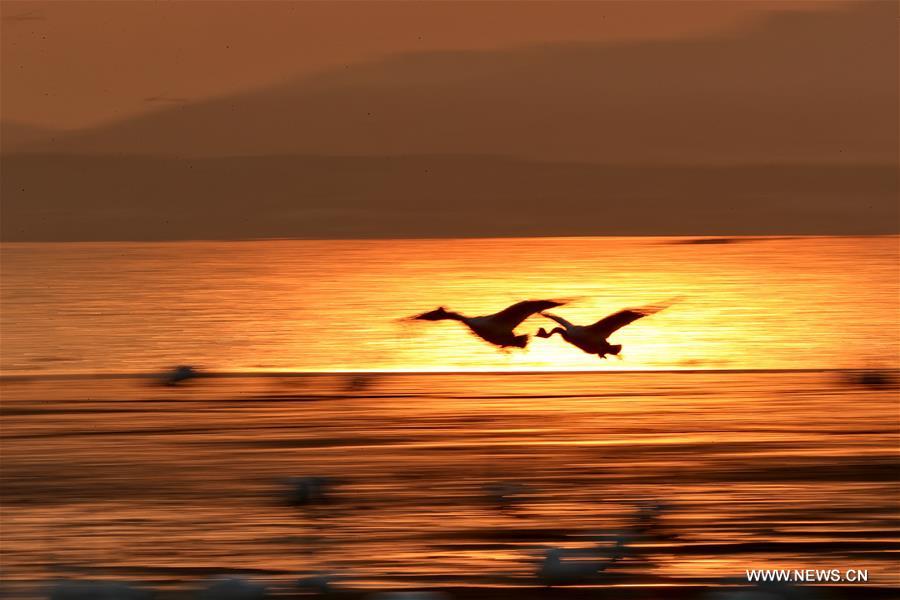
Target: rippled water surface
column 742, row 407
column 334, row 305
column 116, row 477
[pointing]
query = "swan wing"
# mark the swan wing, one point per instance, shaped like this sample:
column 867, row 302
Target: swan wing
column 607, row 325
column 512, row 316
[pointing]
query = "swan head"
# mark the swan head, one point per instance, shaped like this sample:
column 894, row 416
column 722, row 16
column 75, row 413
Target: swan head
column 438, row 314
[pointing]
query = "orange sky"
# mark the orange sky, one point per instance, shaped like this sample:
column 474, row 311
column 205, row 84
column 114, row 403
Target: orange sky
column 74, row 64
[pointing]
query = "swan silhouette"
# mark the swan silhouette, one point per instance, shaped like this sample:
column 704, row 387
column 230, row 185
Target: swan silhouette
column 97, row 590
column 592, row 338
column 496, row 329
column 232, row 588
column 306, row 491
column 565, row 566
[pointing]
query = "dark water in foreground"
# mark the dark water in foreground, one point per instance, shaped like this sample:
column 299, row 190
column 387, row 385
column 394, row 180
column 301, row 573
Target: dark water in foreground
column 113, row 477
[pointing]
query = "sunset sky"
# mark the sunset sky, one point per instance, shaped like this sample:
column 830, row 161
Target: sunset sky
column 132, row 120
column 75, row 64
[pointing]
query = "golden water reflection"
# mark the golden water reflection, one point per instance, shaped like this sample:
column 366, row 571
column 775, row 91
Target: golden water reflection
column 774, row 303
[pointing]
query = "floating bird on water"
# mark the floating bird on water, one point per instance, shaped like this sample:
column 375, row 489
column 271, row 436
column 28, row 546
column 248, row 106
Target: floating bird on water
column 305, row 491
column 765, row 590
column 497, row 328
column 592, row 338
column 321, row 584
column 872, row 378
column 232, row 588
column 97, row 590
column 360, row 382
column 557, row 569
column 178, row 375
column 571, row 566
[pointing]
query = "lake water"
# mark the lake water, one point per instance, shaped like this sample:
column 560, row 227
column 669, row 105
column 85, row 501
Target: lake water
column 734, row 406
column 113, row 477
column 808, row 303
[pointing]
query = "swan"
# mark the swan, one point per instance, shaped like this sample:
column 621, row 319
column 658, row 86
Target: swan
column 496, row 329
column 556, row 569
column 564, row 566
column 769, row 590
column 321, row 584
column 592, row 338
column 97, row 590
column 304, row 491
column 179, row 374
column 232, row 588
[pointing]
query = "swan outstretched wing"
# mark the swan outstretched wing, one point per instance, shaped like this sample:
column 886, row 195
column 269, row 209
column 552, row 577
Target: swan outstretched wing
column 607, row 325
column 512, row 316
column 558, row 319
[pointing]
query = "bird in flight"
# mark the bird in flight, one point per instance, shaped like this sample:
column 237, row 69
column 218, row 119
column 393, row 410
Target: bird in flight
column 592, row 338
column 498, row 328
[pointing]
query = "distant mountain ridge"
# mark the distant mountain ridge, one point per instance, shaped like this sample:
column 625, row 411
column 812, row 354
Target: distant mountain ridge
column 813, row 86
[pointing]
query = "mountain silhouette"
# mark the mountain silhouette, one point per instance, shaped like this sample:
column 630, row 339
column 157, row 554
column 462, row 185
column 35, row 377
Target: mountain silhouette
column 810, row 86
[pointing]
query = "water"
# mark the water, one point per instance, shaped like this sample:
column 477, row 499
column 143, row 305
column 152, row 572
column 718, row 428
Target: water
column 734, row 405
column 113, row 476
column 334, row 305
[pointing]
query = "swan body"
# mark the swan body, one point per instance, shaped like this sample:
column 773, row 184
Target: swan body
column 556, row 569
column 498, row 328
column 769, row 590
column 562, row 566
column 178, row 375
column 97, row 590
column 233, row 588
column 592, row 339
column 322, row 584
column 304, row 491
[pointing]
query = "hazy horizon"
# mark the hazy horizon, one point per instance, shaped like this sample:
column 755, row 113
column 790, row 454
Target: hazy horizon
column 613, row 119
column 253, row 45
